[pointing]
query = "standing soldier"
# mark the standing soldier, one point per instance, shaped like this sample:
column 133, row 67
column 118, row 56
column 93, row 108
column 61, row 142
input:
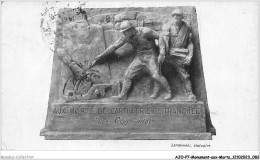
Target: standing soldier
column 143, row 40
column 179, row 48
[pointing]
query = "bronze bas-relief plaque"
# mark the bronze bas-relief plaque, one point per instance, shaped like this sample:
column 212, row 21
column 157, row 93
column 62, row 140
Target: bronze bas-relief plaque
column 128, row 73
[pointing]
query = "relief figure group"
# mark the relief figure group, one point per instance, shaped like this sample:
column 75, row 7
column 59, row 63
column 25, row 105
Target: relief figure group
column 175, row 47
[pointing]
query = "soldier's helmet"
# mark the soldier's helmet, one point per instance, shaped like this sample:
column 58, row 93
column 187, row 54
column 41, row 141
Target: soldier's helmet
column 125, row 25
column 177, row 11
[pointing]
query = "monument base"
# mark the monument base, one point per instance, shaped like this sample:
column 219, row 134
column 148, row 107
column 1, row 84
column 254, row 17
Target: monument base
column 49, row 135
column 122, row 120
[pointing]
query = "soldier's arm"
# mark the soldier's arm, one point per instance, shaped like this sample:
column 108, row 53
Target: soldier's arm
column 188, row 58
column 166, row 36
column 155, row 35
column 190, row 45
column 120, row 42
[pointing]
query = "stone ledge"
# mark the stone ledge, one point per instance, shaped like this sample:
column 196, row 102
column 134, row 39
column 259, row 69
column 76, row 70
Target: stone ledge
column 110, row 101
column 49, row 135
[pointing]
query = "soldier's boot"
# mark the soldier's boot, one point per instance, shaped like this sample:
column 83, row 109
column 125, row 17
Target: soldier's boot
column 188, row 89
column 125, row 88
column 166, row 86
column 156, row 89
column 168, row 96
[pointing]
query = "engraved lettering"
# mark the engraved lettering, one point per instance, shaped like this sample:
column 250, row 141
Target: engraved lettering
column 60, row 110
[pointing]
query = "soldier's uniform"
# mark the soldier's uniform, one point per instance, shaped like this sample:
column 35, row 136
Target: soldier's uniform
column 147, row 58
column 178, row 37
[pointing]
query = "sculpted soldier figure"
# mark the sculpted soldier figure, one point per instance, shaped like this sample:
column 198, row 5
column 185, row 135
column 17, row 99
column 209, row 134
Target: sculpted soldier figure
column 179, row 48
column 143, row 40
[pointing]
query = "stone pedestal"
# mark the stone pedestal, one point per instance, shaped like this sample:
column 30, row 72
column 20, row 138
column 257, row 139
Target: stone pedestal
column 126, row 120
